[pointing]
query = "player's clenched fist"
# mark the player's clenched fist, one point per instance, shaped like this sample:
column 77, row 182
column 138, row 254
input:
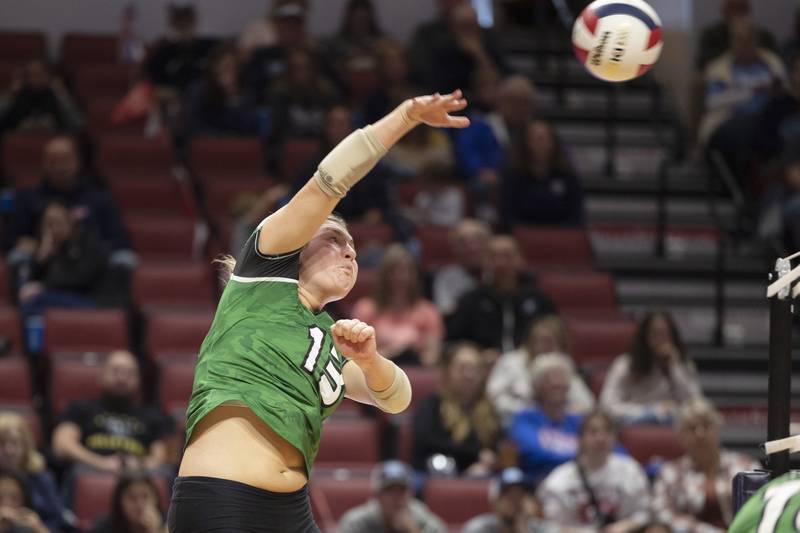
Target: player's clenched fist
column 354, row 339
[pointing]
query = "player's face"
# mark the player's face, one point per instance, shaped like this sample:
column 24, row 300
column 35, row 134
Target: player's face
column 328, row 265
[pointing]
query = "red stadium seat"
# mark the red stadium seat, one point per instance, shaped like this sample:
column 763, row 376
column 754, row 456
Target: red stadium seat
column 546, row 248
column 142, row 197
column 436, row 249
column 404, row 425
column 162, row 237
column 22, row 156
column 581, row 294
column 599, row 341
column 22, row 46
column 175, row 384
column 172, row 334
column 214, row 158
column 337, row 447
column 100, row 123
column 332, row 497
column 11, row 327
column 456, row 500
column 81, row 49
column 85, row 330
column 74, row 378
column 186, row 285
column 15, row 381
column 27, row 412
column 127, row 156
column 103, row 80
column 296, row 155
column 646, row 443
column 424, row 382
column 93, row 492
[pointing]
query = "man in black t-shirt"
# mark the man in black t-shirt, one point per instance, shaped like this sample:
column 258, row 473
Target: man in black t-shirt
column 113, row 432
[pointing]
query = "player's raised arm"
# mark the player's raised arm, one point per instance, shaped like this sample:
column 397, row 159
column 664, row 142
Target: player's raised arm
column 292, row 226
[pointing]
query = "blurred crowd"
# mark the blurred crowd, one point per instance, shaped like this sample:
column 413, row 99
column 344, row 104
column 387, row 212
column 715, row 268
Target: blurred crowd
column 512, row 405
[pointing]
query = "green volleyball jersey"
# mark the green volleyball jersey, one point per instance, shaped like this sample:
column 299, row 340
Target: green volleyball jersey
column 268, row 351
column 775, row 508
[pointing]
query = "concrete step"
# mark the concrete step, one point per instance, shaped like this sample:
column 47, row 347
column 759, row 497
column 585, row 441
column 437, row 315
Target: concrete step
column 624, row 208
column 665, row 291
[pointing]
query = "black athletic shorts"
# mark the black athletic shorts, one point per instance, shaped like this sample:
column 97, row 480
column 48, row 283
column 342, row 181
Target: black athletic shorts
column 213, row 504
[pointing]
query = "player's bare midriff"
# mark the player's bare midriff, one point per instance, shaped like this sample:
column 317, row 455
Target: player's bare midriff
column 231, row 442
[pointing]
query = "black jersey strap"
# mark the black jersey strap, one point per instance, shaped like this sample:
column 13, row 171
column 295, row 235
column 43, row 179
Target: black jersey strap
column 251, row 263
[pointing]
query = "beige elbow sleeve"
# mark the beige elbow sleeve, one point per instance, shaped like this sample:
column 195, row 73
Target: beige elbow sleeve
column 348, row 162
column 397, row 396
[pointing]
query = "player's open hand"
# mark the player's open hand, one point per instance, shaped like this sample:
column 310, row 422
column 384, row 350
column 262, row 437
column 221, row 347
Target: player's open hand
column 434, row 110
column 354, row 339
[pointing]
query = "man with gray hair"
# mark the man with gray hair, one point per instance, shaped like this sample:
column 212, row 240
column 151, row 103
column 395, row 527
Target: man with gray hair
column 392, row 508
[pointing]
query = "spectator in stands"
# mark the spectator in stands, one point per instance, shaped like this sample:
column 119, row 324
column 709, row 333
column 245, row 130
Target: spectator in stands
column 220, row 104
column 18, row 454
column 269, row 63
column 409, row 328
column 181, row 57
column 395, row 81
column 539, row 184
column 69, row 267
column 16, row 515
column 509, row 386
column 469, row 241
column 693, row 493
column 514, row 509
column 498, row 313
column 63, row 181
column 454, row 56
column 547, row 435
column 358, row 35
column 599, row 489
column 299, row 100
column 113, row 432
column 715, row 38
column 439, row 201
column 135, row 507
column 39, row 101
column 262, row 32
column 392, row 507
column 248, row 209
column 486, row 145
column 739, row 82
column 652, row 382
column 374, row 203
column 458, row 421
column 777, row 130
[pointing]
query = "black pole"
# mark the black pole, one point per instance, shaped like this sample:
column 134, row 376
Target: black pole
column 780, row 379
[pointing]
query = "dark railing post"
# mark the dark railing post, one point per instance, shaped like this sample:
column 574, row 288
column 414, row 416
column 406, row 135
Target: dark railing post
column 720, row 265
column 780, row 374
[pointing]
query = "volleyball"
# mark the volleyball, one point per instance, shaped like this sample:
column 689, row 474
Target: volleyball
column 617, row 40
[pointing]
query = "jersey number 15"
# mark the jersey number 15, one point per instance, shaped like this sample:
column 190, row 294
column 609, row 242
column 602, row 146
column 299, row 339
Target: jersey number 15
column 331, row 381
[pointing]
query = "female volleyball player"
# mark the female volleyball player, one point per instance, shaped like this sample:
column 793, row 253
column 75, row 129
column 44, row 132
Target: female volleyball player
column 274, row 364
